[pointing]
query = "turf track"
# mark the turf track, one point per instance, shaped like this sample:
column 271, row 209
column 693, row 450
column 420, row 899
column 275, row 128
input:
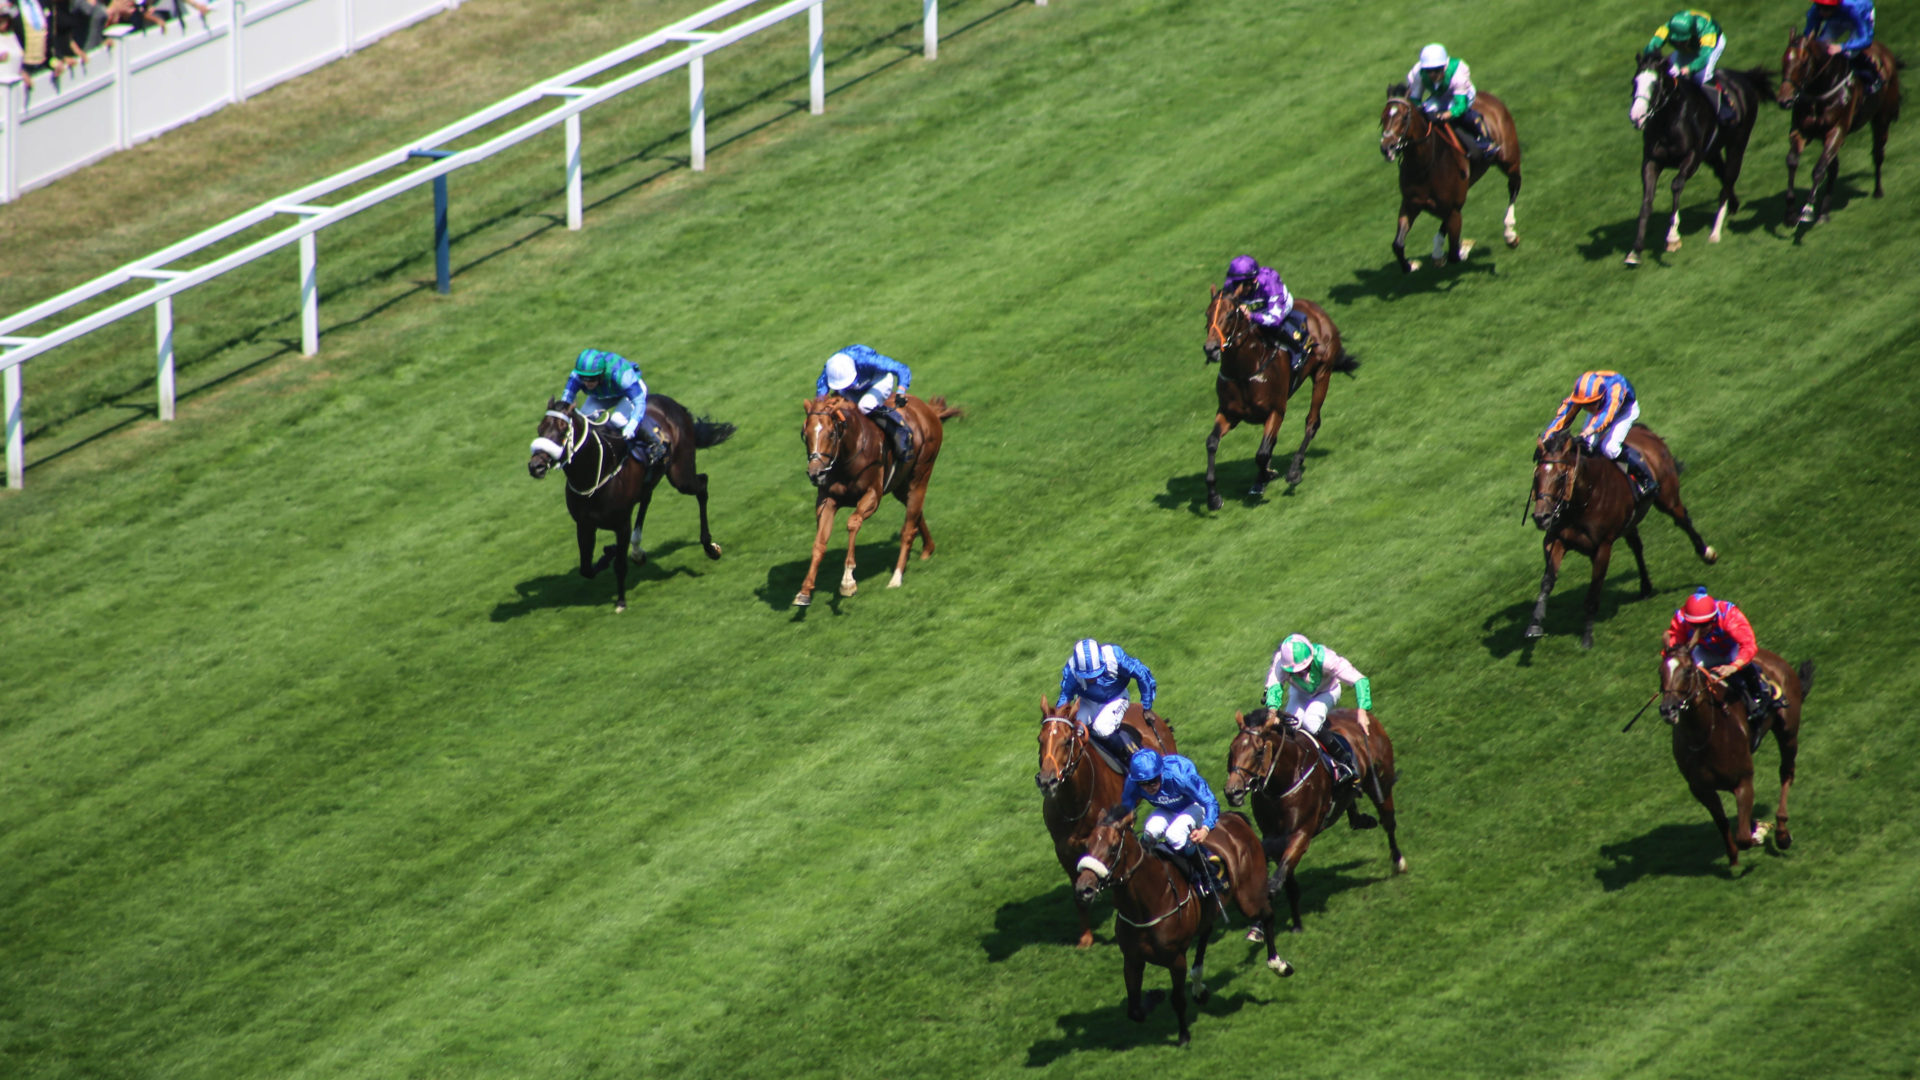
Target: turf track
column 319, row 761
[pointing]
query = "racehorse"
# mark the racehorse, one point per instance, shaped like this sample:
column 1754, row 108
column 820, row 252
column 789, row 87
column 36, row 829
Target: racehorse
column 1583, row 503
column 604, row 482
column 1710, row 740
column 1828, row 103
column 1436, row 171
column 1157, row 914
column 1255, row 382
column 1680, row 128
column 1294, row 798
column 850, row 463
column 1077, row 782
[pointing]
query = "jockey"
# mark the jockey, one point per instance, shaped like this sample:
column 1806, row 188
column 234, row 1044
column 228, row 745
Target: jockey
column 1697, row 44
column 1846, row 26
column 1722, row 642
column 1443, row 88
column 1098, row 675
column 613, row 385
column 1269, row 304
column 1609, row 396
column 1184, row 809
column 1303, row 683
column 870, row 379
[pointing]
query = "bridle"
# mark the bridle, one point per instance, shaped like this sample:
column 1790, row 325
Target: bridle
column 1660, row 95
column 1263, row 745
column 838, row 428
column 1402, row 133
column 577, row 437
column 1800, row 57
column 1110, row 878
column 1688, row 693
column 1233, row 315
column 1571, row 463
column 1079, row 751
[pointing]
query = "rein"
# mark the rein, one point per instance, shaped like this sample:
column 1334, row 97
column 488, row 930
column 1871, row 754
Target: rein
column 601, row 477
column 1259, row 374
column 1840, row 87
column 839, row 442
column 1079, row 751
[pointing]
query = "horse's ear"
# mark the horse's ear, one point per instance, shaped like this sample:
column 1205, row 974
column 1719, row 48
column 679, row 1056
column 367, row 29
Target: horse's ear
column 1240, row 720
column 1398, row 89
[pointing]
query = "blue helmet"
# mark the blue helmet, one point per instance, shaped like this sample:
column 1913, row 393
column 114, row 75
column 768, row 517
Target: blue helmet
column 1087, row 661
column 1144, row 767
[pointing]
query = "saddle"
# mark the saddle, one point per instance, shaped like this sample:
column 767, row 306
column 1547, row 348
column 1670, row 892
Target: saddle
column 1106, row 755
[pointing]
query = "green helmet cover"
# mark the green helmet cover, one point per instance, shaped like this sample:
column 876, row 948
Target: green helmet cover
column 591, row 363
column 1680, row 27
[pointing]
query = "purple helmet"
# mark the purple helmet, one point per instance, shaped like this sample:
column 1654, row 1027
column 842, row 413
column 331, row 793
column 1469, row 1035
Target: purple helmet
column 1242, row 268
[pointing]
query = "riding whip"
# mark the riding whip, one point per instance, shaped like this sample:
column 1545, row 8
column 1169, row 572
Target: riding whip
column 1636, row 716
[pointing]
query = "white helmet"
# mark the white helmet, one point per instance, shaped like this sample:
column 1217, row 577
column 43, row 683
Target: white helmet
column 1434, row 56
column 840, row 371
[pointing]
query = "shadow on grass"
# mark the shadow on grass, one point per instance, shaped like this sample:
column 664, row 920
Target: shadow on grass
column 569, row 589
column 1318, row 884
column 1387, row 282
column 1046, row 919
column 1234, row 478
column 1693, row 850
column 872, row 568
column 1613, row 241
column 1108, row 1028
column 1504, row 631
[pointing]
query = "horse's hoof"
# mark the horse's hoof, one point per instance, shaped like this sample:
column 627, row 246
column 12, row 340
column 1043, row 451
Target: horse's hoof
column 894, row 583
column 802, row 599
column 1400, row 865
column 1255, row 934
column 1257, row 491
column 1633, row 258
column 1586, row 640
column 1293, row 477
column 713, row 551
column 1823, row 219
column 1673, row 246
column 619, row 607
column 1534, row 632
column 636, row 558
column 1711, row 556
column 849, row 590
column 1085, row 941
column 1465, row 247
column 1513, row 240
column 1215, row 502
column 1782, row 839
column 1713, row 238
column 1185, row 1038
column 1280, row 967
column 1412, row 265
column 1201, row 993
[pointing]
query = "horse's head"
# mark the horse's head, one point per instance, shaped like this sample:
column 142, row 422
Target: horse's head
column 1251, row 758
column 825, row 433
column 1652, row 89
column 1396, row 122
column 1062, row 746
column 1796, row 68
column 1682, row 682
column 1556, row 466
column 1106, row 850
column 559, row 435
column 1227, row 324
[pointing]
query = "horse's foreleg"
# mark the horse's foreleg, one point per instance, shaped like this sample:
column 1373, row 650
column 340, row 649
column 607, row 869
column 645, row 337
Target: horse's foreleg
column 1134, row 968
column 1744, row 838
column 1289, row 860
column 1710, row 799
column 862, row 510
column 1601, row 555
column 622, row 536
column 1880, row 125
column 1513, row 195
column 1263, row 457
column 1221, row 425
column 1826, row 174
column 1795, row 143
column 1678, row 184
column 1295, row 470
column 824, row 510
column 1555, row 552
column 1177, row 968
column 916, row 497
column 1649, row 176
column 1199, row 976
column 635, row 550
column 1640, row 558
column 584, row 533
column 1085, row 911
column 1788, row 742
column 1407, row 214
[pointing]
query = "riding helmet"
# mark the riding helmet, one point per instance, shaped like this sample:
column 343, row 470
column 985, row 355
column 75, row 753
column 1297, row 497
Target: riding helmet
column 840, row 371
column 1089, row 659
column 1144, row 766
column 593, row 363
column 1242, row 268
column 1296, row 653
column 1590, row 387
column 1699, row 607
column 1434, row 56
column 1680, row 27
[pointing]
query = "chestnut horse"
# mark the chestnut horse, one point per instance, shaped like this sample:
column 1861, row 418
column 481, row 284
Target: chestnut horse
column 1828, row 103
column 1256, row 380
column 1680, row 130
column 850, row 461
column 605, row 483
column 1076, row 783
column 1583, row 503
column 1157, row 914
column 1436, row 171
column 1710, row 740
column 1293, row 793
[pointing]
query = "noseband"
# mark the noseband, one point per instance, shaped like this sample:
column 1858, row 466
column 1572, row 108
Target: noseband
column 1401, row 138
column 1079, row 751
column 1560, row 500
column 1819, row 71
column 577, row 438
column 839, row 428
column 1266, row 745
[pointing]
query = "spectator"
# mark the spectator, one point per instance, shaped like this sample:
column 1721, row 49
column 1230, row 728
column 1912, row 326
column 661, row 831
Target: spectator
column 94, row 14
column 12, row 53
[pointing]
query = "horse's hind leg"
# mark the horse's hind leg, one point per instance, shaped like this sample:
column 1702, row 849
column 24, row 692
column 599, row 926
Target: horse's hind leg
column 1880, row 125
column 1381, row 792
column 1221, row 425
column 1729, row 202
column 621, row 538
column 1513, row 195
column 1795, row 143
column 1407, row 214
column 1602, row 554
column 1670, row 505
column 636, row 550
column 1178, row 969
column 1710, row 799
column 1320, row 381
column 1263, row 472
column 1787, row 740
column 1640, row 558
column 1199, row 976
column 1450, row 231
column 687, row 482
column 914, row 524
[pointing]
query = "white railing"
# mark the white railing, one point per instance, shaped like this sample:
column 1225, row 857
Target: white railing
column 567, row 88
column 148, row 82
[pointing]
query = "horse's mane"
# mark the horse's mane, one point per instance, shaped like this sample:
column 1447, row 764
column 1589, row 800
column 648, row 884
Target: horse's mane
column 1116, row 814
column 1557, row 443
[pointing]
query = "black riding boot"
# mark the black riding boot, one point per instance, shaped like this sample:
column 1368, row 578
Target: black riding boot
column 645, row 447
column 1475, row 129
column 1866, row 72
column 1122, row 744
column 896, row 425
column 1644, row 483
column 1200, row 869
column 1722, row 104
column 1760, row 703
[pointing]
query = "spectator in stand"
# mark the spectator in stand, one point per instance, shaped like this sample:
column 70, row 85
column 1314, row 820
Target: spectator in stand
column 11, row 51
column 93, row 14
column 63, row 51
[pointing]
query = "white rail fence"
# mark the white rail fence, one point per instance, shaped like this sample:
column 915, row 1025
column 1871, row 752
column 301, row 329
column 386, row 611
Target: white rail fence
column 148, row 82
column 568, row 89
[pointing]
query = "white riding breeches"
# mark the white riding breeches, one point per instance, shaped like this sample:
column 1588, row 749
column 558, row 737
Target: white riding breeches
column 1176, row 829
column 1610, row 441
column 1310, row 714
column 1102, row 716
column 618, row 411
column 880, row 393
column 1706, row 73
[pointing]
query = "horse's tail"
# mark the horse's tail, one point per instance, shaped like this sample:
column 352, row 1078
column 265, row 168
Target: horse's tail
column 1806, row 678
column 1346, row 363
column 710, row 432
column 944, row 410
column 1761, row 78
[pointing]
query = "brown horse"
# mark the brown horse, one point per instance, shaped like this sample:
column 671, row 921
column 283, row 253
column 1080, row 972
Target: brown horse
column 1583, row 503
column 1255, row 382
column 1436, row 171
column 1710, row 740
column 1157, row 913
column 1294, row 798
column 1828, row 102
column 850, row 461
column 605, row 483
column 1076, row 782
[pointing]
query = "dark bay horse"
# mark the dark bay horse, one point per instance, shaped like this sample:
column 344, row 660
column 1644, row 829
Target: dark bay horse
column 1077, row 784
column 605, row 484
column 1158, row 915
column 850, row 462
column 1583, row 502
column 1710, row 740
column 1256, row 380
column 1828, row 102
column 1680, row 129
column 1436, row 171
column 1293, row 794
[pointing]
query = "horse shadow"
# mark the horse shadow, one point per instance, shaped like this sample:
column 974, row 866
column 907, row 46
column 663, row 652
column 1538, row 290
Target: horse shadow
column 1108, row 1028
column 873, row 565
column 569, row 589
column 1844, row 193
column 1231, row 476
column 1046, row 919
column 1614, row 240
column 1692, row 850
column 1388, row 282
column 1319, row 884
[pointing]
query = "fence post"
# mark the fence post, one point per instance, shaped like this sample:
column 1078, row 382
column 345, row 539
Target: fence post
column 930, row 43
column 309, row 296
column 237, row 53
column 575, row 207
column 442, row 241
column 16, row 441
column 817, row 58
column 697, row 106
column 163, row 336
column 122, row 96
column 346, row 28
column 10, row 142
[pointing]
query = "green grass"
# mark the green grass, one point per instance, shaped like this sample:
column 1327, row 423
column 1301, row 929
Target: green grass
column 319, row 760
